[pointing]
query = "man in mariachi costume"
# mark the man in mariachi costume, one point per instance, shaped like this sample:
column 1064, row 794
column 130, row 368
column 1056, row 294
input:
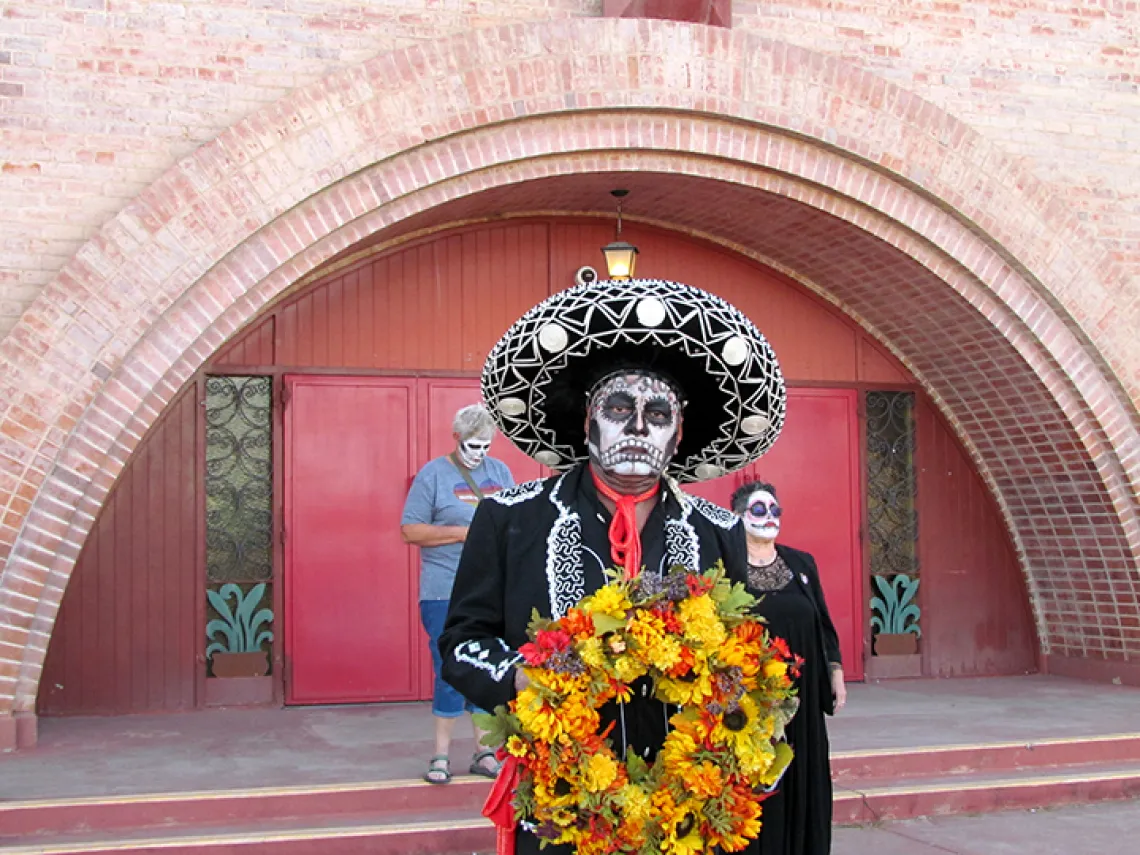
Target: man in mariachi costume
column 627, row 389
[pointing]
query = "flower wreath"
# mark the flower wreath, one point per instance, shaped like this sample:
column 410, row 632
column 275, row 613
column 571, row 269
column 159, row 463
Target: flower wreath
column 691, row 636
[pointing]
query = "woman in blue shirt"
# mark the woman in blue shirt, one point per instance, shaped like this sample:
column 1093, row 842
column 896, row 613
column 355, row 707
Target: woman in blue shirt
column 436, row 515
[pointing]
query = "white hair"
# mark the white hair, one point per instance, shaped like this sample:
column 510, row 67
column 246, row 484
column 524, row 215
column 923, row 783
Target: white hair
column 472, row 421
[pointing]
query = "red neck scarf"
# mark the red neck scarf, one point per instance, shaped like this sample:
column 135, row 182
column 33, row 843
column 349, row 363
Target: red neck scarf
column 625, row 542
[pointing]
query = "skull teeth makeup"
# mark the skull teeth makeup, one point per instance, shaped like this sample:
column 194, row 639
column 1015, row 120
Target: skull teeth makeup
column 473, row 450
column 633, row 451
column 634, row 420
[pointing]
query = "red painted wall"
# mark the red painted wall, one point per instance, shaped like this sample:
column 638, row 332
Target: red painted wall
column 127, row 637
column 975, row 609
column 128, row 633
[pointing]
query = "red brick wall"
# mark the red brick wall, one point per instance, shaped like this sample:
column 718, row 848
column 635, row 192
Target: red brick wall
column 98, row 97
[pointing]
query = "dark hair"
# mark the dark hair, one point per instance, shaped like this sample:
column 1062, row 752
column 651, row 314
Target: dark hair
column 740, row 494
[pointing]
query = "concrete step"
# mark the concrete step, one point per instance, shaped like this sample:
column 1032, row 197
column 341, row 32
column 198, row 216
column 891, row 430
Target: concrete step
column 380, row 800
column 350, row 836
column 853, row 766
column 875, row 801
column 411, row 816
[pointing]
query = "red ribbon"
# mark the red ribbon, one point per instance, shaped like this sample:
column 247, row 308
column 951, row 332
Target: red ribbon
column 500, row 808
column 625, row 542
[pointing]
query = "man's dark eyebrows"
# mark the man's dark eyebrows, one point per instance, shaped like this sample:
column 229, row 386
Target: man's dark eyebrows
column 660, row 403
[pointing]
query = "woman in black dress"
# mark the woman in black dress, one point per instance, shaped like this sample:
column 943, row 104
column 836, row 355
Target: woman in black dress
column 797, row 817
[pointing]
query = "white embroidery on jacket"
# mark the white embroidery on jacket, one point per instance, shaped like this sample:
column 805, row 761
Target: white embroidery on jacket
column 565, row 579
column 519, row 493
column 473, row 653
column 682, row 545
column 713, row 513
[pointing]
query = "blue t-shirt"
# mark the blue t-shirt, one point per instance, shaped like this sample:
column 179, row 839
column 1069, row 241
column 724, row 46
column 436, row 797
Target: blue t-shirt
column 440, row 496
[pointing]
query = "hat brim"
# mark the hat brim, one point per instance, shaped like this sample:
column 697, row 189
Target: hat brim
column 537, row 378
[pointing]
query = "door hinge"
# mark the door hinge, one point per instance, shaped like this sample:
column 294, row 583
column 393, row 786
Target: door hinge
column 286, row 394
column 283, row 535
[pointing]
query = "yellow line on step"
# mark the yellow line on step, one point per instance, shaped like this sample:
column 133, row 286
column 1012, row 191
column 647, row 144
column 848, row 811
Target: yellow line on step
column 250, row 793
column 959, row 786
column 976, row 746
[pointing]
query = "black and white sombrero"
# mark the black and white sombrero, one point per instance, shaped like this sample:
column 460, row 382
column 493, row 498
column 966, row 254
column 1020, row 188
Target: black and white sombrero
column 537, row 378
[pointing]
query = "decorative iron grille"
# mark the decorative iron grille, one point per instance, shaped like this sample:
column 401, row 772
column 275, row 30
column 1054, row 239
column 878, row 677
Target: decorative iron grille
column 892, row 520
column 239, row 618
column 239, row 479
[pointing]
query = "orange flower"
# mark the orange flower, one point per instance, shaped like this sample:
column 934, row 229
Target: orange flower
column 578, row 623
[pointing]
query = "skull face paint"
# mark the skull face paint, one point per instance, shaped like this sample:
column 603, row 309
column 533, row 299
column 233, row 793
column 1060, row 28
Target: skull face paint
column 634, row 424
column 762, row 515
column 473, row 450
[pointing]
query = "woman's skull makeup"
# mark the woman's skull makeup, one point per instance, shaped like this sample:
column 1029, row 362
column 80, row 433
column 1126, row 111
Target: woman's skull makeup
column 634, row 423
column 473, row 450
column 761, row 515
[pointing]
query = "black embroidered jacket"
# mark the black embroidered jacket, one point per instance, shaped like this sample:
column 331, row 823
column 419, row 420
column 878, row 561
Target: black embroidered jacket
column 543, row 546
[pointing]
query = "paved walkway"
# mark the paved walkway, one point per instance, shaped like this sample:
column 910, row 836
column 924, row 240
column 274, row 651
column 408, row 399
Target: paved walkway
column 223, row 749
column 1108, row 828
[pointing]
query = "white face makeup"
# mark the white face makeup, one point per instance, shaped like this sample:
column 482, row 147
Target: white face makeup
column 473, row 450
column 634, row 422
column 760, row 520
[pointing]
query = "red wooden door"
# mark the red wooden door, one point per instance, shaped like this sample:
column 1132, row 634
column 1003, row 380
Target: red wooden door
column 352, row 623
column 814, row 466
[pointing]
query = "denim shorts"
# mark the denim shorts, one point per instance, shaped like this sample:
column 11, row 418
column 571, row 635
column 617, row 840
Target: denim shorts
column 446, row 702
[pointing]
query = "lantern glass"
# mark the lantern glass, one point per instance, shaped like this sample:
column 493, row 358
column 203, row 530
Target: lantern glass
column 621, row 257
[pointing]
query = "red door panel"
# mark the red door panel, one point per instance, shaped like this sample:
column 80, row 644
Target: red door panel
column 814, row 466
column 350, row 600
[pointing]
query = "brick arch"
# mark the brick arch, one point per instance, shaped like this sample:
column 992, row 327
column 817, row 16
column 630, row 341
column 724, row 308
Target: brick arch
column 375, row 149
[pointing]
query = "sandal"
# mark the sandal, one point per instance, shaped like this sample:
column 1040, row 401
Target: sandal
column 439, row 770
column 478, row 768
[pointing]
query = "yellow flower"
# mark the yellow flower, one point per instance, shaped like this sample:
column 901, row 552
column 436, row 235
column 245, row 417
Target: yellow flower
column 556, row 805
column 705, row 780
column 746, row 825
column 564, row 819
column 601, row 771
column 686, row 692
column 517, row 746
column 562, row 684
column 690, row 844
column 735, row 653
column 701, row 622
column 677, row 753
column 628, row 668
column 536, row 716
column 749, row 735
column 654, row 645
column 592, row 653
column 610, row 600
column 775, row 668
column 638, row 807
